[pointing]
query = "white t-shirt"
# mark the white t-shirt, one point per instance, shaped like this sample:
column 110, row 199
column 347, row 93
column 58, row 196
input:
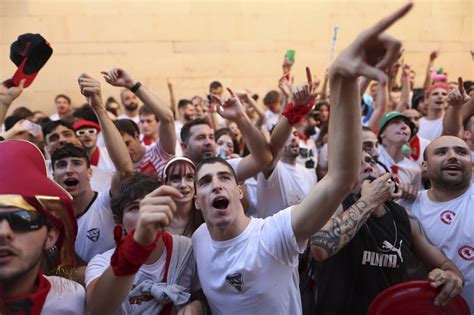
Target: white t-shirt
column 136, row 119
column 407, row 171
column 323, row 156
column 430, row 129
column 308, row 152
column 54, row 117
column 154, row 272
column 65, row 297
column 450, row 226
column 253, row 273
column 287, row 186
column 95, row 228
column 105, row 162
column 271, row 119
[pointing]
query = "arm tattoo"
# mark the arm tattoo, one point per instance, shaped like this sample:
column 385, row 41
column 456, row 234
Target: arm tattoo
column 341, row 229
column 417, row 222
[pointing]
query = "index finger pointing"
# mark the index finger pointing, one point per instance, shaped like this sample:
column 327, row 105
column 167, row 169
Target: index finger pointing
column 309, row 77
column 461, row 86
column 386, row 22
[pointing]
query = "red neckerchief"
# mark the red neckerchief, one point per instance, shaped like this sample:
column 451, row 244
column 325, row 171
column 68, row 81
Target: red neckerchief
column 95, row 157
column 415, row 148
column 394, row 170
column 303, row 136
column 147, row 140
column 28, row 304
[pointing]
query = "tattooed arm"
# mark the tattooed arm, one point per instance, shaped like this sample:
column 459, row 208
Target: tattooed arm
column 341, row 228
column 445, row 273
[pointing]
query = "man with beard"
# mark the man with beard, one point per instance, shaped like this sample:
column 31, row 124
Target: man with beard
column 63, row 107
column 285, row 180
column 446, row 210
column 395, row 129
column 364, row 249
column 130, row 104
column 153, row 158
column 36, row 221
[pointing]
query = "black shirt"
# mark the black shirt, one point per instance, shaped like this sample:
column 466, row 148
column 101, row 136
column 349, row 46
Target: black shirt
column 372, row 261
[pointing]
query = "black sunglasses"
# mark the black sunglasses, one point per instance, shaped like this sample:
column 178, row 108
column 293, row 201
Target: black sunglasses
column 24, row 220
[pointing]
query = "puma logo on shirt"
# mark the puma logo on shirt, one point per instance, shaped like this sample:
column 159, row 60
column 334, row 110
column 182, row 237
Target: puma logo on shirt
column 381, row 259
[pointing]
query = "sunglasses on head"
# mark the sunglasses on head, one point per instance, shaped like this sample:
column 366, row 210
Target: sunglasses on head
column 83, row 132
column 22, row 220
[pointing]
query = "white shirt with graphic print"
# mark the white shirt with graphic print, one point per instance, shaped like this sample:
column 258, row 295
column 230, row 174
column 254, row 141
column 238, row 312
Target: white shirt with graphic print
column 95, row 228
column 253, row 273
column 450, row 226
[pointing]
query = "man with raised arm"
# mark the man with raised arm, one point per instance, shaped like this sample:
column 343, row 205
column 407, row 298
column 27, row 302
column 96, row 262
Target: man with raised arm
column 153, row 158
column 198, row 140
column 249, row 266
column 365, row 248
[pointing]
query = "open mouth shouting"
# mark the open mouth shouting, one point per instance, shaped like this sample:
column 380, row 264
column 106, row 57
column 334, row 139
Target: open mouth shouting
column 71, row 182
column 220, row 203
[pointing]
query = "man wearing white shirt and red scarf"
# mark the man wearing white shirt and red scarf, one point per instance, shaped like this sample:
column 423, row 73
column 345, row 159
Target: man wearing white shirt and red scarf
column 36, row 219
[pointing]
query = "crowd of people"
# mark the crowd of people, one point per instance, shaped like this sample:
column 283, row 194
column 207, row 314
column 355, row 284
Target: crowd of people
column 314, row 203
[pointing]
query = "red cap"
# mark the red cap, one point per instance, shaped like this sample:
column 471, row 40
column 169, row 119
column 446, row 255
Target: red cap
column 437, row 85
column 24, row 178
column 80, row 124
column 29, row 52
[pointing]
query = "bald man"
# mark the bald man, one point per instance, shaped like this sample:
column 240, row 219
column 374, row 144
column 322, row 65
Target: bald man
column 446, row 210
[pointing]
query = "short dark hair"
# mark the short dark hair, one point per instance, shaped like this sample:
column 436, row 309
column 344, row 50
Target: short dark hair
column 215, row 85
column 69, row 150
column 183, row 103
column 127, row 126
column 186, row 129
column 85, row 112
column 132, row 188
column 62, row 96
column 213, row 160
column 271, row 97
column 22, row 112
column 50, row 126
column 10, row 121
column 145, row 110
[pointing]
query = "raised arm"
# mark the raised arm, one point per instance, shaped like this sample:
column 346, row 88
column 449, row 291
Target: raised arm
column 324, row 88
column 166, row 130
column 405, row 97
column 7, row 96
column 342, row 227
column 445, row 274
column 303, row 97
column 172, row 98
column 106, row 294
column 260, row 153
column 381, row 105
column 249, row 101
column 433, row 55
column 453, row 118
column 116, row 148
column 359, row 59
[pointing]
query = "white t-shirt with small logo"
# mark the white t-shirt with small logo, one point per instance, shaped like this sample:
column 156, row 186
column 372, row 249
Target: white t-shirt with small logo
column 95, row 228
column 253, row 273
column 450, row 227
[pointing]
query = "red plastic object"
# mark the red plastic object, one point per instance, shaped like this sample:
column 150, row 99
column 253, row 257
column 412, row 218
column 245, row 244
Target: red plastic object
column 415, row 298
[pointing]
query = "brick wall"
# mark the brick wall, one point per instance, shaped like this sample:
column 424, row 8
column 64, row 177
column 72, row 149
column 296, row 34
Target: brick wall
column 240, row 43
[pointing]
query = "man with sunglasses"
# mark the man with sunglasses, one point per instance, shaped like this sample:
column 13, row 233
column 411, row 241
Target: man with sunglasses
column 366, row 246
column 36, row 222
column 87, row 132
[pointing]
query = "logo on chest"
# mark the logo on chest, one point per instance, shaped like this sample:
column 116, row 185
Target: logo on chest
column 236, row 280
column 447, row 216
column 384, row 259
column 93, row 234
column 466, row 252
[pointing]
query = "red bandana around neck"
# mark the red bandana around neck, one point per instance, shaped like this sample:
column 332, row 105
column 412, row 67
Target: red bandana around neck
column 29, row 304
